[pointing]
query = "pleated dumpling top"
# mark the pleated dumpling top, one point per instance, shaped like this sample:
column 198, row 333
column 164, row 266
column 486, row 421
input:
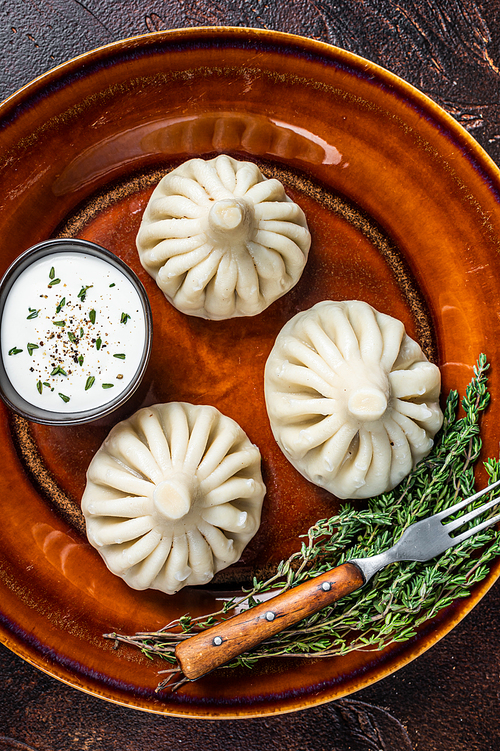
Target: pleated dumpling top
column 221, row 240
column 173, row 495
column 352, row 400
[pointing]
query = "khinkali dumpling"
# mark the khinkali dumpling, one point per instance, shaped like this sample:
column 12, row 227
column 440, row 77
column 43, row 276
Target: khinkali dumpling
column 222, row 240
column 352, row 400
column 173, row 495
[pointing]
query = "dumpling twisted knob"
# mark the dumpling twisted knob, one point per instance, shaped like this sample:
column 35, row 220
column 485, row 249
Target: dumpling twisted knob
column 172, row 498
column 173, row 495
column 367, row 403
column 221, row 240
column 352, row 400
column 229, row 220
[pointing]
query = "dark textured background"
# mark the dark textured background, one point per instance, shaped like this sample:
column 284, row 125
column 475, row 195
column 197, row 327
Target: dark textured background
column 448, row 699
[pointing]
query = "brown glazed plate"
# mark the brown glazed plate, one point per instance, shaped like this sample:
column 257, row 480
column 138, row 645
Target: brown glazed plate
column 403, row 208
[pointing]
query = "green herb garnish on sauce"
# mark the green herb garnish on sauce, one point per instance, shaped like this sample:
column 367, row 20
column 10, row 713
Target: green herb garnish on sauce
column 83, row 292
column 59, row 371
column 90, row 383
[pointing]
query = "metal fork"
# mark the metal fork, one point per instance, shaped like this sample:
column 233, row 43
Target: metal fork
column 422, row 541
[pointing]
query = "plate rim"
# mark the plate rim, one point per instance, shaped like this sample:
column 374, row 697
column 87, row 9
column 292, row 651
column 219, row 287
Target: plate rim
column 240, row 32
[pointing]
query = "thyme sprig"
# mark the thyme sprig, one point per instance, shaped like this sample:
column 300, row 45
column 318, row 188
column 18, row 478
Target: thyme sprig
column 402, row 596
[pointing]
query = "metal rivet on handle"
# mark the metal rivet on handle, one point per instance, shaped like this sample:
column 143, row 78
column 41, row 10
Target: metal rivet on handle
column 217, row 641
column 270, row 616
column 326, row 586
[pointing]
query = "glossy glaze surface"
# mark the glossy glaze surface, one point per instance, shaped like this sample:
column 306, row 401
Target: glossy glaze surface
column 403, row 210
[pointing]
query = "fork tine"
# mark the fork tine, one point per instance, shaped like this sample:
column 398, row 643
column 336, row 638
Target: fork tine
column 471, row 515
column 476, row 529
column 465, row 502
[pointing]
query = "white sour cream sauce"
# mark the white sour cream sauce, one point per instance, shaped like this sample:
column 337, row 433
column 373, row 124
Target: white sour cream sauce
column 48, row 326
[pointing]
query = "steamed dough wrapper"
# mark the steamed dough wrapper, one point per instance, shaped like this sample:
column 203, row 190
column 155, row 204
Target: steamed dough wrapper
column 221, row 240
column 173, row 495
column 352, row 400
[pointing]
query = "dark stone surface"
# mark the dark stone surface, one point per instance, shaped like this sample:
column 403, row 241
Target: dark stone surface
column 447, row 700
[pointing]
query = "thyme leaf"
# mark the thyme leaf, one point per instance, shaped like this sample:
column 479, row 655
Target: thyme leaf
column 58, row 371
column 83, row 292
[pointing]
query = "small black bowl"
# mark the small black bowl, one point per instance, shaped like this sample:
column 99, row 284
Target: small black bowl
column 8, row 392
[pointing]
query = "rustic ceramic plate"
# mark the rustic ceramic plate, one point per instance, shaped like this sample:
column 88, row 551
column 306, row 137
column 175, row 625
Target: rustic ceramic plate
column 404, row 213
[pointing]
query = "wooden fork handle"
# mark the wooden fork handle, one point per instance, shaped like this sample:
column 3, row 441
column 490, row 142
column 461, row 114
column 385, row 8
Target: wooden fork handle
column 214, row 647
